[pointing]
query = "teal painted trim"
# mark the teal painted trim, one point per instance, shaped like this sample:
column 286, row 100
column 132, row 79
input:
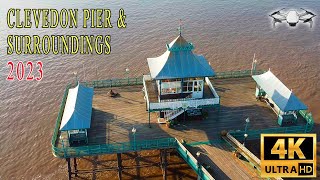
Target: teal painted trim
column 255, row 134
column 202, row 106
column 139, row 145
column 114, row 82
column 139, row 80
column 59, row 117
column 191, row 160
column 237, row 74
column 190, row 47
column 210, row 142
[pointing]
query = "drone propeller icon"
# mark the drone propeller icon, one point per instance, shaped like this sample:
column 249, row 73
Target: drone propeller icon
column 292, row 17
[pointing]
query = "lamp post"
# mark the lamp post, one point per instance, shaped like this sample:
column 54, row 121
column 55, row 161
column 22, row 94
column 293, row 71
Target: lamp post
column 134, row 130
column 127, row 74
column 247, row 123
column 199, row 165
column 76, row 74
column 198, row 153
column 245, row 138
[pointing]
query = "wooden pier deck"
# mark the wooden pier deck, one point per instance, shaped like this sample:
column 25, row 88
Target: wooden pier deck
column 222, row 162
column 114, row 118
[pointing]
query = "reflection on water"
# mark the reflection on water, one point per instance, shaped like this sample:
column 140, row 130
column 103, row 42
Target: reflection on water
column 226, row 33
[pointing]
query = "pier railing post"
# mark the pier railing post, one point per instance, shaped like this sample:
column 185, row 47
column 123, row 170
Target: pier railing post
column 165, row 165
column 119, row 166
column 75, row 167
column 69, row 168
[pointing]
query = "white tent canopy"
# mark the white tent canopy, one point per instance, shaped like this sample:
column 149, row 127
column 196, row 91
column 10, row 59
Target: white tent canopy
column 78, row 109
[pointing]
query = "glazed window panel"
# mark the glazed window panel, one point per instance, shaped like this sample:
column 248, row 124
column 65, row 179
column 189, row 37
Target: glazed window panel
column 187, row 86
column 171, row 87
column 200, row 84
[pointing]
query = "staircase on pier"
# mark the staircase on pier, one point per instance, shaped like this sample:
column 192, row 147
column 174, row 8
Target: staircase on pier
column 169, row 115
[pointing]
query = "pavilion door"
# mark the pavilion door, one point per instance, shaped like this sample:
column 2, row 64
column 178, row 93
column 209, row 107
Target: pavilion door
column 197, row 89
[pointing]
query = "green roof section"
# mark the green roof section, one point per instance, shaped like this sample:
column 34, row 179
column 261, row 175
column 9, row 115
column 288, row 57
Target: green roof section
column 179, row 62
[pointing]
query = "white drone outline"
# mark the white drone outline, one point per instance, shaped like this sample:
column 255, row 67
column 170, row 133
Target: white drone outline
column 292, row 17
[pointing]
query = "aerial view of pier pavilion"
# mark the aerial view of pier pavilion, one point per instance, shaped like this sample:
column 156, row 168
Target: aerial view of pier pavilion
column 183, row 105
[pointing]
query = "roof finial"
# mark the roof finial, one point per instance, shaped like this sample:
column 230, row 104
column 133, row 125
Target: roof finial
column 180, row 28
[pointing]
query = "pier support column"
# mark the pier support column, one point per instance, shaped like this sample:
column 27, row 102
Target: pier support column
column 75, row 167
column 119, row 166
column 69, row 168
column 165, row 164
column 149, row 118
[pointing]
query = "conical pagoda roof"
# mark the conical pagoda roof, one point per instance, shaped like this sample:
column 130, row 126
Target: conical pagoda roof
column 179, row 62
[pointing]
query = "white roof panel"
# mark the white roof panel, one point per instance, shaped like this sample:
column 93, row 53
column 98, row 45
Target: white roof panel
column 78, row 109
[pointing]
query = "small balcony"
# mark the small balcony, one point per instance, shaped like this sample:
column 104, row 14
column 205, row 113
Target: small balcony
column 177, row 101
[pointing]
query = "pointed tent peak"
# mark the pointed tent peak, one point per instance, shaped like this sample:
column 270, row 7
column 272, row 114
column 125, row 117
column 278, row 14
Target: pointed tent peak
column 180, row 44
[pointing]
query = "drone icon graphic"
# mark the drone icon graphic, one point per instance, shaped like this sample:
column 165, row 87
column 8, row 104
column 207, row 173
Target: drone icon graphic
column 292, row 17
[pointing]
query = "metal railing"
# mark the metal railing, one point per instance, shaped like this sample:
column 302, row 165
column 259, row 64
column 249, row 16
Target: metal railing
column 193, row 162
column 145, row 89
column 255, row 134
column 59, row 117
column 183, row 103
column 112, row 148
column 243, row 148
column 237, row 74
column 114, row 82
column 213, row 91
column 139, row 80
column 307, row 116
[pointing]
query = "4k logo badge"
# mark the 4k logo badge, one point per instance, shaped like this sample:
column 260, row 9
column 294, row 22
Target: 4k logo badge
column 288, row 155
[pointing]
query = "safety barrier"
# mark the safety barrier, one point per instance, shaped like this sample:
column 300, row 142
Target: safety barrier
column 193, row 162
column 308, row 118
column 80, row 151
column 255, row 134
column 59, row 118
column 237, row 74
column 114, row 82
column 139, row 80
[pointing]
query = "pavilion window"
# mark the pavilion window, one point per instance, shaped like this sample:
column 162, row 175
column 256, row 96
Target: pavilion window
column 192, row 85
column 187, row 86
column 171, row 86
column 198, row 86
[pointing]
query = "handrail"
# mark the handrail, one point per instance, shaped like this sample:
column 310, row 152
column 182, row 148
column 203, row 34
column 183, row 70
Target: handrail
column 308, row 118
column 215, row 94
column 114, row 82
column 237, row 74
column 255, row 134
column 59, row 117
column 146, row 77
column 196, row 166
column 243, row 148
column 80, row 151
column 247, row 153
